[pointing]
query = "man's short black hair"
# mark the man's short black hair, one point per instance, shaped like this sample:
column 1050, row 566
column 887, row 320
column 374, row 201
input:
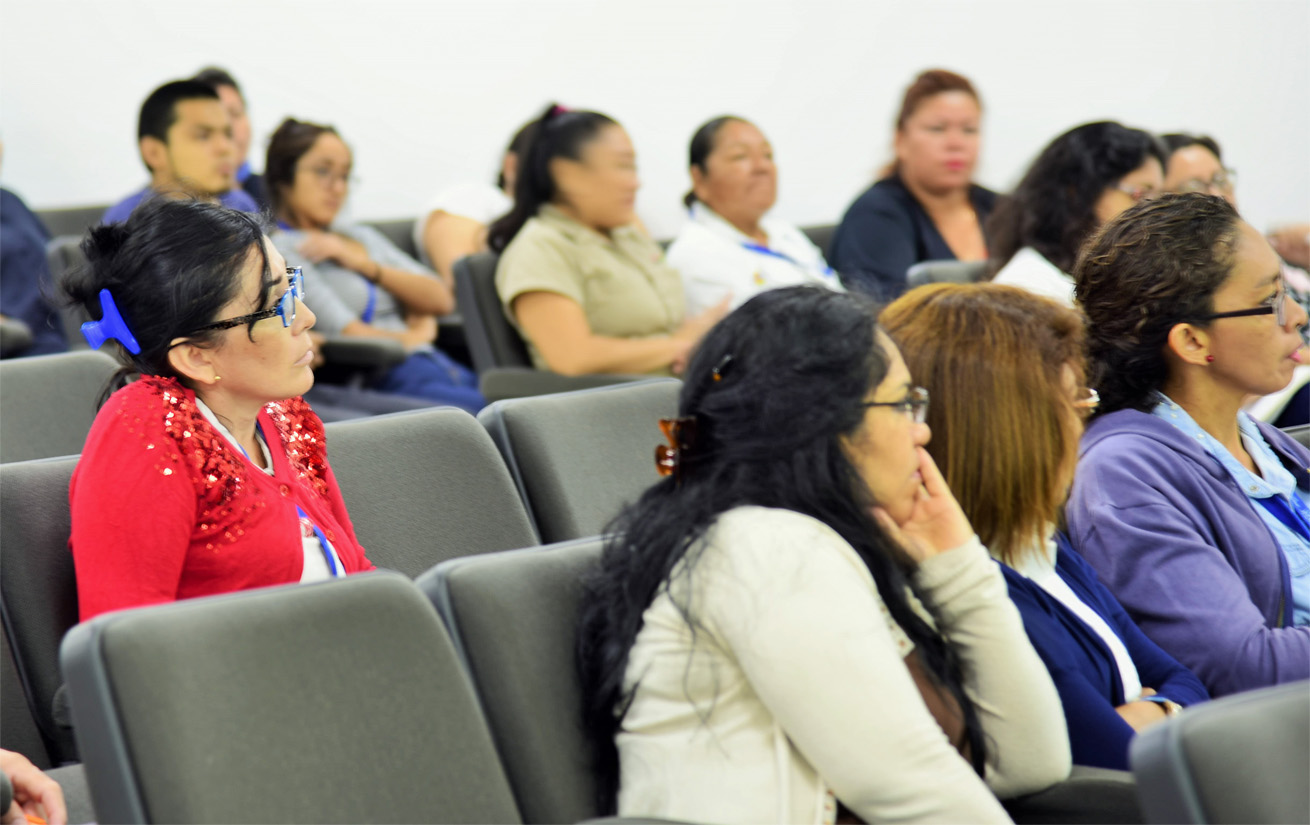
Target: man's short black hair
column 159, row 112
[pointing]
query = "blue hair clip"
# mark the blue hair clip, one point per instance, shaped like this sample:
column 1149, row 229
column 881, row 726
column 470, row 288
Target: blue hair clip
column 110, row 325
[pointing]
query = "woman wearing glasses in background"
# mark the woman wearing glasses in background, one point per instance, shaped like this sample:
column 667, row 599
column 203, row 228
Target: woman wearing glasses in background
column 1082, row 179
column 1019, row 358
column 208, row 474
column 1192, row 513
column 361, row 284
column 799, row 618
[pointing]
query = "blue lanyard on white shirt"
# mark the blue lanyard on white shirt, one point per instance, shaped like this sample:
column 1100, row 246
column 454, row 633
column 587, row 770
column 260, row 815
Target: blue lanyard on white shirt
column 761, row 249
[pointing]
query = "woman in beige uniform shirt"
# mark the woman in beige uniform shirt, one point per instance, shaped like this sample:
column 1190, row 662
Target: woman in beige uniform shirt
column 588, row 289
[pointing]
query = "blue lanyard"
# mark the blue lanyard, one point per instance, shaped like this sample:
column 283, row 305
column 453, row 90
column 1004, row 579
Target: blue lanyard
column 323, row 544
column 760, row 249
column 1294, row 516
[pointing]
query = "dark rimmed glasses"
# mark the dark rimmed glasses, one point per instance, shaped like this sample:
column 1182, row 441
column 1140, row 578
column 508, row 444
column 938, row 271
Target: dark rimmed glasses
column 1277, row 307
column 914, row 404
column 285, row 308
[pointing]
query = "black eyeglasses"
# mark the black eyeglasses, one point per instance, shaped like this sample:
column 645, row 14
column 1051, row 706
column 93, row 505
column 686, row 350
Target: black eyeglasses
column 1277, row 307
column 285, row 308
column 914, row 404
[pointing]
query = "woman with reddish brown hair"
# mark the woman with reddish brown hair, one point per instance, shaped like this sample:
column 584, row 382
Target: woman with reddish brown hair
column 926, row 207
column 1007, row 372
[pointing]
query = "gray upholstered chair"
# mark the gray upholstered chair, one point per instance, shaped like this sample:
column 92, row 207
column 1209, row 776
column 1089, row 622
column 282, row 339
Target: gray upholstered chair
column 513, row 618
column 38, row 591
column 945, row 272
column 821, row 235
column 15, row 336
column 49, row 402
column 341, row 701
column 425, row 486
column 578, row 457
column 73, row 220
column 1240, row 759
column 498, row 352
column 1301, row 434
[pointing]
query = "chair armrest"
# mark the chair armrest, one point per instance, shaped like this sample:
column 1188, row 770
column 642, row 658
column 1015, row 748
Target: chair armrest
column 1089, row 795
column 380, row 353
column 14, row 337
column 518, row 382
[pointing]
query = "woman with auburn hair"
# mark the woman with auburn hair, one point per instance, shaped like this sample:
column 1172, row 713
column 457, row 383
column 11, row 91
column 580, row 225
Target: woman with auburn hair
column 1194, row 514
column 1018, row 358
column 926, row 207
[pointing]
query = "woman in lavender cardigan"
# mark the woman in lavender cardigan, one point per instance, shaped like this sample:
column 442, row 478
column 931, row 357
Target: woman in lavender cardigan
column 1194, row 514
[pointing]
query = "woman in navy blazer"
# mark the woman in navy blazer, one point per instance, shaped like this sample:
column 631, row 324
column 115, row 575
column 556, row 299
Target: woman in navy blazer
column 1005, row 370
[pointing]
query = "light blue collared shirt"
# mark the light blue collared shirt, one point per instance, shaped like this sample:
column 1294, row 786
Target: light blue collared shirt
column 1274, row 480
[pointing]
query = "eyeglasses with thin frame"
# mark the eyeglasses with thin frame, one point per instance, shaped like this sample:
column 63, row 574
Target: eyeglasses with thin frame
column 1277, row 307
column 1222, row 183
column 914, row 404
column 1138, row 193
column 284, row 308
column 326, row 177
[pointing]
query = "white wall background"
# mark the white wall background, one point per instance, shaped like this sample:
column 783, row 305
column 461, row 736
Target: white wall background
column 428, row 91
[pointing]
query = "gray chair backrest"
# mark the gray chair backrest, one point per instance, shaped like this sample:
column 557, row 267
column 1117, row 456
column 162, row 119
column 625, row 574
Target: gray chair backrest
column 74, row 220
column 62, row 253
column 514, row 618
column 945, row 272
column 38, row 591
column 425, row 486
column 1301, row 434
column 1243, row 758
column 820, row 235
column 578, row 457
column 492, row 340
column 18, row 731
column 341, row 701
column 15, row 336
column 49, row 402
column 400, row 232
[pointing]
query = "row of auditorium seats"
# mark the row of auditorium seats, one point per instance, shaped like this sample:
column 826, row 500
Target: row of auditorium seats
column 429, row 489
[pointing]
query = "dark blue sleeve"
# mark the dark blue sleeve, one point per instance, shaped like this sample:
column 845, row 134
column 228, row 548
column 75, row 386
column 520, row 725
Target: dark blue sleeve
column 1098, row 735
column 874, row 246
column 1155, row 668
column 25, row 286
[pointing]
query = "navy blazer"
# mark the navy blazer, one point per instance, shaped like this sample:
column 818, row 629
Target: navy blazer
column 1082, row 665
column 885, row 232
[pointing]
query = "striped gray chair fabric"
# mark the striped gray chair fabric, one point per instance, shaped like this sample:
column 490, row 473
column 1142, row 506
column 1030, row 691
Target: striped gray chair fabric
column 425, row 486
column 578, row 457
column 49, row 402
column 341, row 701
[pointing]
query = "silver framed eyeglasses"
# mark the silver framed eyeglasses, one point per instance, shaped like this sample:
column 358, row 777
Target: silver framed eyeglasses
column 1277, row 307
column 914, row 404
column 284, row 308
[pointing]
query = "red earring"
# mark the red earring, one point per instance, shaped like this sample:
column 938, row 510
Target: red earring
column 1209, row 359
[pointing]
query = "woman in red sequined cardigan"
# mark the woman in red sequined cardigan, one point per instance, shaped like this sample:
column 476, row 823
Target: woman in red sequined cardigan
column 209, row 474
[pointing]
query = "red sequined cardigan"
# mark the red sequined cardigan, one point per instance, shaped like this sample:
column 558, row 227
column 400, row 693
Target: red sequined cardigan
column 164, row 508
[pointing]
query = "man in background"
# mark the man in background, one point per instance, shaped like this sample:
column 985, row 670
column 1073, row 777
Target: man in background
column 235, row 102
column 186, row 141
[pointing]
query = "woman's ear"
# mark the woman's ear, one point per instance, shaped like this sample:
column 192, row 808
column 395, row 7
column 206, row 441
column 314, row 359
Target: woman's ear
column 1189, row 344
column 193, row 362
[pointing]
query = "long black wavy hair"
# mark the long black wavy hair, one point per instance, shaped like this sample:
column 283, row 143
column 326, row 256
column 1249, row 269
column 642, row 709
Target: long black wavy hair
column 1053, row 209
column 558, row 133
column 796, row 366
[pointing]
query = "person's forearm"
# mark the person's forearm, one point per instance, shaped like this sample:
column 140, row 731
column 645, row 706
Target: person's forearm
column 410, row 338
column 598, row 354
column 419, row 293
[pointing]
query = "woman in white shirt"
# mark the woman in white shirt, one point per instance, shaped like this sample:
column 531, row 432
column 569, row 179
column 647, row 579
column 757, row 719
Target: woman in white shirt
column 799, row 617
column 1082, row 179
column 728, row 247
column 1019, row 357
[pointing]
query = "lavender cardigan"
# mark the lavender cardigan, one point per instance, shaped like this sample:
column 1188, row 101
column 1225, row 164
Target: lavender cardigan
column 1179, row 544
